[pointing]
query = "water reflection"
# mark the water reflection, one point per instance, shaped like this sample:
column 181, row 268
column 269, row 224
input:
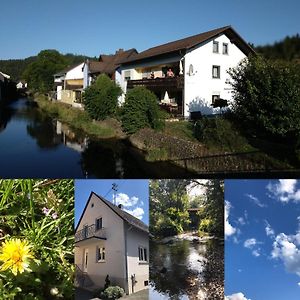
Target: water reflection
column 182, row 270
column 34, row 145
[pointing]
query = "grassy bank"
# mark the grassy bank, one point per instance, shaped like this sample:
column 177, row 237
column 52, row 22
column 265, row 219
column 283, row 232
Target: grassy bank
column 79, row 119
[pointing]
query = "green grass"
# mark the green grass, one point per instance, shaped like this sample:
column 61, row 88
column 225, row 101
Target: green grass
column 76, row 118
column 180, row 129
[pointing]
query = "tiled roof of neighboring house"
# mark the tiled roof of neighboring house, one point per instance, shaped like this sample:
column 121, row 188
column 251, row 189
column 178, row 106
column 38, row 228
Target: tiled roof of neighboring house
column 131, row 220
column 108, row 63
column 5, row 75
column 189, row 42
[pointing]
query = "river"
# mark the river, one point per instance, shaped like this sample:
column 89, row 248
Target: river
column 33, row 145
column 187, row 269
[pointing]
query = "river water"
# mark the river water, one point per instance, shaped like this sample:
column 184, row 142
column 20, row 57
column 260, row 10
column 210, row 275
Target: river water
column 186, row 269
column 33, row 145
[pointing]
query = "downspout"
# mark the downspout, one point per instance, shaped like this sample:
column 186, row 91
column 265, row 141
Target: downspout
column 126, row 262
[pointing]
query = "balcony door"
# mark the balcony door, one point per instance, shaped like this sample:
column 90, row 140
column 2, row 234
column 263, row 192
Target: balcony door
column 86, row 259
column 85, row 231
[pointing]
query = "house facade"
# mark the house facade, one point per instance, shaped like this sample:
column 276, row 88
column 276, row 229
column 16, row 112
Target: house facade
column 69, row 85
column 110, row 242
column 187, row 75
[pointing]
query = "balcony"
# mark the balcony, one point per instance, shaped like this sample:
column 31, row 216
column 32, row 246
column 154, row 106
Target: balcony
column 158, row 84
column 90, row 233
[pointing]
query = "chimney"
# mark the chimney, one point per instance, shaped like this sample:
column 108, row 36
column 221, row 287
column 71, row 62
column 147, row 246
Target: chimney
column 120, row 206
column 120, row 51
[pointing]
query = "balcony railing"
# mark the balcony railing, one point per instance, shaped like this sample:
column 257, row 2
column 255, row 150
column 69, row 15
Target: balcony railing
column 158, row 83
column 90, row 232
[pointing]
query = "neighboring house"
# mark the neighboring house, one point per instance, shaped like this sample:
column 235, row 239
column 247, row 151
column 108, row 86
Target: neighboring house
column 189, row 74
column 109, row 241
column 69, row 85
column 107, row 64
column 21, row 85
column 4, row 85
column 1, row 85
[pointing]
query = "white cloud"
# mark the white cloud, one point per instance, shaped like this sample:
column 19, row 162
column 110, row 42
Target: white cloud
column 125, row 200
column 236, row 296
column 241, row 221
column 137, row 212
column 285, row 190
column 229, row 229
column 269, row 230
column 253, row 245
column 299, row 283
column 250, row 243
column 255, row 200
column 287, row 249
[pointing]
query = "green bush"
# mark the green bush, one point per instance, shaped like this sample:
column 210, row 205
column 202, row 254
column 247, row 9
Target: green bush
column 113, row 292
column 101, row 98
column 267, row 97
column 140, row 110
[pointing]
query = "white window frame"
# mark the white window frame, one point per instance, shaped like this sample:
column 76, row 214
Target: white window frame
column 218, row 74
column 215, row 44
column 225, row 52
column 127, row 75
column 100, row 254
column 142, row 251
column 96, row 229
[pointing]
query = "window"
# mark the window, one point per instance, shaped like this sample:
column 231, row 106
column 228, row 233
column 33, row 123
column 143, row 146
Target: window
column 214, row 98
column 127, row 75
column 146, row 283
column 100, row 254
column 215, row 47
column 98, row 223
column 225, row 48
column 143, row 254
column 216, row 71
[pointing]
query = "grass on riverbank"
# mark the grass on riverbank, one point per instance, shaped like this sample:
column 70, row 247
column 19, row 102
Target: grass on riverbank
column 76, row 118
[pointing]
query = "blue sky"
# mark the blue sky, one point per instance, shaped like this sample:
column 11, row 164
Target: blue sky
column 92, row 27
column 133, row 194
column 262, row 248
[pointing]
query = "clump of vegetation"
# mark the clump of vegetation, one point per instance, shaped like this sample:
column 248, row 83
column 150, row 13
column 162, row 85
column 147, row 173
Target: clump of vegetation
column 219, row 133
column 101, row 98
column 39, row 73
column 267, row 98
column 141, row 110
column 111, row 293
column 157, row 154
column 36, row 239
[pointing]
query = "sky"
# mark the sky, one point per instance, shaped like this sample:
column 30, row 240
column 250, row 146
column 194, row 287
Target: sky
column 262, row 246
column 132, row 194
column 91, row 27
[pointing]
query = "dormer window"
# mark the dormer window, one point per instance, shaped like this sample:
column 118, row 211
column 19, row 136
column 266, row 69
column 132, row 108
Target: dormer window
column 225, row 48
column 215, row 47
column 98, row 223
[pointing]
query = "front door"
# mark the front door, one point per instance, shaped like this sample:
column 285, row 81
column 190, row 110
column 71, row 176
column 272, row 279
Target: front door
column 86, row 258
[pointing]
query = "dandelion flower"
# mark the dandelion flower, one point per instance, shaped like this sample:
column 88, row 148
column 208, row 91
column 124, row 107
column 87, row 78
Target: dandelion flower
column 15, row 255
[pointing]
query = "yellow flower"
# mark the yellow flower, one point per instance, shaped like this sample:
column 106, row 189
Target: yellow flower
column 15, row 255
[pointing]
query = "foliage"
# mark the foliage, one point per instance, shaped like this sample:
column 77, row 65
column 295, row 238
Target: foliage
column 112, row 292
column 76, row 118
column 212, row 216
column 181, row 129
column 168, row 207
column 267, row 97
column 287, row 49
column 220, row 133
column 140, row 110
column 38, row 216
column 101, row 98
column 39, row 74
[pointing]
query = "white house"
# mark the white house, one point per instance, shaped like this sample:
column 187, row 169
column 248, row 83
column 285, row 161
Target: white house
column 109, row 241
column 187, row 75
column 69, row 85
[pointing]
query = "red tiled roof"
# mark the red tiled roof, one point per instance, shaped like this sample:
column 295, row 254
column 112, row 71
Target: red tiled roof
column 189, row 42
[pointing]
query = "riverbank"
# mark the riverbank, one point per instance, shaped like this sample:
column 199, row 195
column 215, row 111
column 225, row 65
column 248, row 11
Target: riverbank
column 187, row 266
column 79, row 119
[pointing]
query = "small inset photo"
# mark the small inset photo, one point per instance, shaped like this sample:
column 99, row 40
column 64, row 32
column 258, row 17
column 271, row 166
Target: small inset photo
column 111, row 239
column 36, row 239
column 262, row 247
column 187, row 239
